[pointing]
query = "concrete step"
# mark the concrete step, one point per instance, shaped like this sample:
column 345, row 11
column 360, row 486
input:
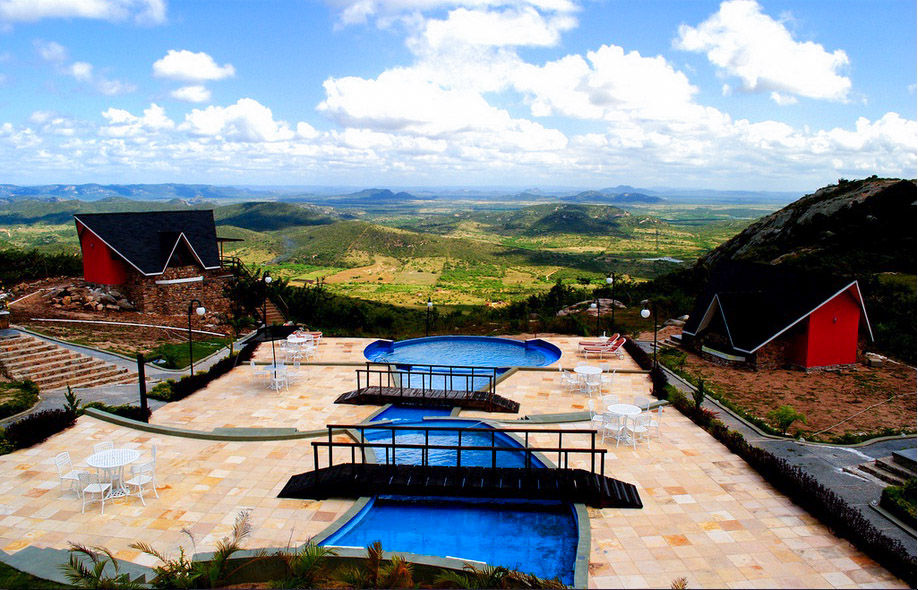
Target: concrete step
column 120, row 379
column 907, row 458
column 880, row 472
column 29, row 347
column 57, row 358
column 81, row 378
column 40, row 371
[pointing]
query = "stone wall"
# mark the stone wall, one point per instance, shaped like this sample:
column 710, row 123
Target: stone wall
column 173, row 299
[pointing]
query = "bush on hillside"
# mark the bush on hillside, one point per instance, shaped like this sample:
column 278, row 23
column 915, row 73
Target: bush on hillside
column 900, row 501
column 124, row 410
column 24, row 265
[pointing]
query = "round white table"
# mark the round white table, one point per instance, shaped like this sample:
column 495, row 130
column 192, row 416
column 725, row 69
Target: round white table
column 298, row 340
column 626, row 412
column 589, row 376
column 587, row 370
column 112, row 462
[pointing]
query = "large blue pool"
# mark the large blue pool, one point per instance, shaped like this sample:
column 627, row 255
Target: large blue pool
column 533, row 536
column 468, row 351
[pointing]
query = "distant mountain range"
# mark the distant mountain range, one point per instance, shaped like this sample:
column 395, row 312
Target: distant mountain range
column 195, row 193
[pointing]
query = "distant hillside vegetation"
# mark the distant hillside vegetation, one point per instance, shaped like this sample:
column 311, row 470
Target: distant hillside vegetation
column 141, row 192
column 604, row 197
column 860, row 227
column 58, row 211
column 558, row 219
column 263, row 216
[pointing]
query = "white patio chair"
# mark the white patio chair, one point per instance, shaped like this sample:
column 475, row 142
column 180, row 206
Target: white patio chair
column 568, row 380
column 66, row 471
column 279, row 378
column 141, row 475
column 609, row 399
column 591, row 384
column 102, row 446
column 596, row 419
column 612, row 426
column 641, row 402
column 608, row 375
column 91, row 484
column 637, row 429
column 656, row 417
column 256, row 371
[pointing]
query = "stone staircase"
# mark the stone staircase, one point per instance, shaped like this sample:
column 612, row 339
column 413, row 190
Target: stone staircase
column 892, row 470
column 275, row 315
column 52, row 366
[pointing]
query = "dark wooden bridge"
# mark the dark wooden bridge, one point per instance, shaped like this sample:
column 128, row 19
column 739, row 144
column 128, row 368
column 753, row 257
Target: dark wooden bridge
column 358, row 478
column 470, row 388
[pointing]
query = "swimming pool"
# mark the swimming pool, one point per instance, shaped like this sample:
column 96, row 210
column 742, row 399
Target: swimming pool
column 464, row 351
column 396, row 413
column 534, row 536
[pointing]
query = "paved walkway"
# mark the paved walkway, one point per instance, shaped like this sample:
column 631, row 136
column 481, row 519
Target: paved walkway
column 707, row 515
column 823, row 462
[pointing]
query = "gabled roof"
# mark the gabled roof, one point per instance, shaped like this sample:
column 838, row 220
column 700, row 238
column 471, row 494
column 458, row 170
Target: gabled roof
column 147, row 241
column 758, row 303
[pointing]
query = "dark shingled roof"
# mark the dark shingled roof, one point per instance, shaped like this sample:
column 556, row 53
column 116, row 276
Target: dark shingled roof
column 146, row 240
column 760, row 301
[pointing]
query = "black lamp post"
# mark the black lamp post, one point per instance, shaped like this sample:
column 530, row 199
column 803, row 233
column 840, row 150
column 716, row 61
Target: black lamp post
column 645, row 313
column 427, row 323
column 595, row 305
column 268, row 280
column 610, row 280
column 200, row 311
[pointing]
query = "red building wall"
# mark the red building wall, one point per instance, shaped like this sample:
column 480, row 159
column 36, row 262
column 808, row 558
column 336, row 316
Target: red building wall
column 832, row 334
column 100, row 264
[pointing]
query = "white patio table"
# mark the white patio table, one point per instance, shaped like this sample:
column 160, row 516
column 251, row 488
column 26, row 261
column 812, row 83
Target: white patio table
column 589, row 376
column 112, row 462
column 624, row 411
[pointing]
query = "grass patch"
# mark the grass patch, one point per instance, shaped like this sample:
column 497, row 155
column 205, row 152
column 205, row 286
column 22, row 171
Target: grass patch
column 176, row 355
column 14, row 579
column 16, row 397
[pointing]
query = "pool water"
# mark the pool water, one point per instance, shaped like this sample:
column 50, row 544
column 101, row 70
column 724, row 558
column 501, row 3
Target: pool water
column 408, row 413
column 468, row 351
column 449, row 437
column 532, row 536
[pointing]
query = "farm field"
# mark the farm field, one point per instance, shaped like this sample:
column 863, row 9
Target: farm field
column 455, row 255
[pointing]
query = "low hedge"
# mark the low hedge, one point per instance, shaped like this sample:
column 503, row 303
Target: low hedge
column 23, row 395
column 900, row 501
column 172, row 391
column 36, row 427
column 805, row 491
column 125, row 411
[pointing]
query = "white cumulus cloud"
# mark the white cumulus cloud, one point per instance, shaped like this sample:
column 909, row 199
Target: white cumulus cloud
column 51, row 51
column 747, row 44
column 141, row 11
column 189, row 66
column 195, row 93
column 247, row 121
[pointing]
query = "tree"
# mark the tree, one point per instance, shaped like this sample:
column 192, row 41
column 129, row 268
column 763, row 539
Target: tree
column 785, row 416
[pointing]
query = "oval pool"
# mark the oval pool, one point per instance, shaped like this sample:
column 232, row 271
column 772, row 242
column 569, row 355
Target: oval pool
column 465, row 351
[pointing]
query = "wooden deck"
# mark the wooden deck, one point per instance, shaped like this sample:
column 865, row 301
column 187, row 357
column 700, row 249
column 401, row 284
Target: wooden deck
column 353, row 480
column 476, row 400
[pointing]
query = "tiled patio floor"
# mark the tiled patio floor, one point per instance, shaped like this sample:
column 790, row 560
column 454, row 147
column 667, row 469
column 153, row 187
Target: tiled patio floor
column 707, row 516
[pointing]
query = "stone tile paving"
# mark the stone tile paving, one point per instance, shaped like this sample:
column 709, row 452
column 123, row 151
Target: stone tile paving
column 707, row 515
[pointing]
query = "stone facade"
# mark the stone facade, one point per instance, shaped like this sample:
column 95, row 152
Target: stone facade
column 151, row 295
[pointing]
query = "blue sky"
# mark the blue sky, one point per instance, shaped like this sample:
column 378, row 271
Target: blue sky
column 733, row 95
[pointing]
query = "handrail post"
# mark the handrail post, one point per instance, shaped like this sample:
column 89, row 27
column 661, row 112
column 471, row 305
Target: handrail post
column 393, row 447
column 426, row 456
column 315, row 456
column 560, row 446
column 493, row 451
column 593, row 453
column 459, row 450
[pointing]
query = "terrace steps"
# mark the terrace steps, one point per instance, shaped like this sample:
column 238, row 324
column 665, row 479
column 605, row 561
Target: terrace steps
column 353, row 480
column 478, row 400
column 887, row 469
column 51, row 366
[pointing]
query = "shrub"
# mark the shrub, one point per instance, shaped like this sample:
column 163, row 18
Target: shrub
column 22, row 396
column 124, row 410
column 698, row 395
column 785, row 416
column 900, row 501
column 36, row 427
column 163, row 391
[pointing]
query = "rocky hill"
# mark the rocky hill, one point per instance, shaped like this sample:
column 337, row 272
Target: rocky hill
column 853, row 228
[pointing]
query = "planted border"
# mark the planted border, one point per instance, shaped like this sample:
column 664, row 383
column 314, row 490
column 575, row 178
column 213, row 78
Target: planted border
column 172, row 391
column 802, row 488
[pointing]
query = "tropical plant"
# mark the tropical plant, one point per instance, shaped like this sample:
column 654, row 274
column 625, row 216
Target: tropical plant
column 785, row 416
column 213, row 573
column 83, row 575
column 698, row 394
column 373, row 574
column 307, row 567
column 679, row 583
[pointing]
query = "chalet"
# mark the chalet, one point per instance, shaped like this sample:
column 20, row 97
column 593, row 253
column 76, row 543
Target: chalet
column 762, row 316
column 158, row 260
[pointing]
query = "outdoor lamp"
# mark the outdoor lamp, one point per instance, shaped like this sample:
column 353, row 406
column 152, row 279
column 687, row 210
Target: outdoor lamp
column 200, row 311
column 427, row 321
column 645, row 313
column 610, row 280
